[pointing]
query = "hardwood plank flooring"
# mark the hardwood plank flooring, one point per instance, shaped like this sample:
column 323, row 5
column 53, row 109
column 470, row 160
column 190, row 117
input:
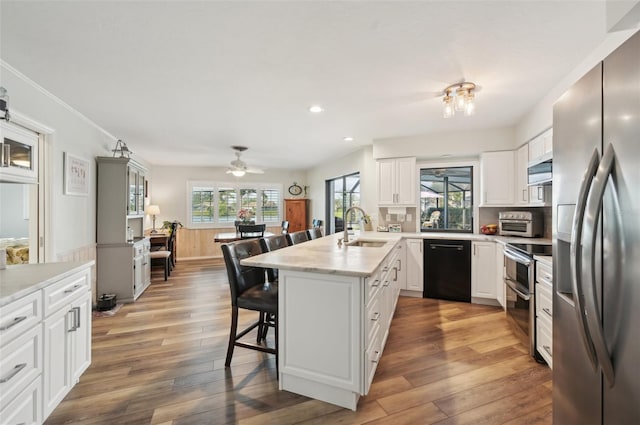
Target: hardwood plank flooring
column 161, row 361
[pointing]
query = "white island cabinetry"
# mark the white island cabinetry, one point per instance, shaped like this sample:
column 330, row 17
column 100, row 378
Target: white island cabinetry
column 334, row 313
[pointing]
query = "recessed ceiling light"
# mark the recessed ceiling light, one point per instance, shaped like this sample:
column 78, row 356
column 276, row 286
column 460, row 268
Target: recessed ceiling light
column 348, row 139
column 316, row 109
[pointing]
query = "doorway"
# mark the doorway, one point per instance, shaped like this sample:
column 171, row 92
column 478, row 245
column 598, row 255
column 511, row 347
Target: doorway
column 341, row 193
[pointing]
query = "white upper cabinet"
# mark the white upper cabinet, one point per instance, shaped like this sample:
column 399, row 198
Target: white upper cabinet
column 541, row 146
column 497, row 178
column 522, row 181
column 397, row 181
column 18, row 154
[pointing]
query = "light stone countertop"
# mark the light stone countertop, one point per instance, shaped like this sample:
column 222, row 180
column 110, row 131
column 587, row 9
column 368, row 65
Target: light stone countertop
column 23, row 279
column 324, row 256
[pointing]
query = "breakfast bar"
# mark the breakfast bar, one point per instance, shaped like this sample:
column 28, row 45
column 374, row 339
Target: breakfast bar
column 335, row 304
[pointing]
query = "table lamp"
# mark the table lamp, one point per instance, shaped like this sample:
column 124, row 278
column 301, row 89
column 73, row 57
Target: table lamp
column 153, row 211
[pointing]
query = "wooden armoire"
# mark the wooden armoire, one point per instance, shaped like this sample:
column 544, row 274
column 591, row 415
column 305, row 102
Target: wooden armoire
column 296, row 211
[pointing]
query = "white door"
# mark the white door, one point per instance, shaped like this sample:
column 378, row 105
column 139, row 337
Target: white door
column 81, row 337
column 483, row 266
column 386, row 181
column 57, row 377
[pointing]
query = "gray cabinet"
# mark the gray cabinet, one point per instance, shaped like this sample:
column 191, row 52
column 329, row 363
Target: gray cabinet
column 123, row 266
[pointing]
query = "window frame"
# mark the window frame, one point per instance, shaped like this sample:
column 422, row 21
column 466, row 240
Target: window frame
column 237, row 186
column 476, row 191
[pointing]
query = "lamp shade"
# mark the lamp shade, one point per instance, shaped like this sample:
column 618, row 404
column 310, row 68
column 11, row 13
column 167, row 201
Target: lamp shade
column 153, row 210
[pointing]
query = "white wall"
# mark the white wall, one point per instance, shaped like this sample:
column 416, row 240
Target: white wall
column 359, row 161
column 453, row 144
column 72, row 223
column 168, row 186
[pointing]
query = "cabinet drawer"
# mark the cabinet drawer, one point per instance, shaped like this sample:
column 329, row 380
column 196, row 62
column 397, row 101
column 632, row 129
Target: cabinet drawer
column 19, row 316
column 544, row 339
column 373, row 319
column 371, row 357
column 544, row 301
column 63, row 292
column 373, row 285
column 20, row 364
column 26, row 407
column 544, row 273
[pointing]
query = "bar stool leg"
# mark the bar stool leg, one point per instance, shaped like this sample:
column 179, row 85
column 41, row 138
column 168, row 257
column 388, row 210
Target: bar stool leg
column 232, row 335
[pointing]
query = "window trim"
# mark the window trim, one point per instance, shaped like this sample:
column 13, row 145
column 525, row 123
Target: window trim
column 476, row 189
column 237, row 186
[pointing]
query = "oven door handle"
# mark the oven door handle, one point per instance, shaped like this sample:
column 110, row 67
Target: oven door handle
column 592, row 215
column 516, row 257
column 511, row 284
column 576, row 257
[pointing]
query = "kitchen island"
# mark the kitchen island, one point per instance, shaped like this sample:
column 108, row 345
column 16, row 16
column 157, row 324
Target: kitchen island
column 335, row 304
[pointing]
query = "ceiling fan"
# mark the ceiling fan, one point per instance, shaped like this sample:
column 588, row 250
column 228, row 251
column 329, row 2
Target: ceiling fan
column 238, row 167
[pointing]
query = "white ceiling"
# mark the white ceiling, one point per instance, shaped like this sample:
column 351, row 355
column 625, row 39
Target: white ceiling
column 181, row 81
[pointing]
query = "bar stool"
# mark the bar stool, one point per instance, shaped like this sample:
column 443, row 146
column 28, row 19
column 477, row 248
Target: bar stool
column 297, row 237
column 314, row 233
column 249, row 290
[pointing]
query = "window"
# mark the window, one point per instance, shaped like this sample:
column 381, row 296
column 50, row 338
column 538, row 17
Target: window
column 342, row 193
column 217, row 204
column 446, row 199
column 202, row 204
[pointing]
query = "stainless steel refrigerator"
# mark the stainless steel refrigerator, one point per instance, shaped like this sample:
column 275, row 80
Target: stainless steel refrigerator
column 596, row 244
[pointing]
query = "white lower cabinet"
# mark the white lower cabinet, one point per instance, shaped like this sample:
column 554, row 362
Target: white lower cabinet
column 415, row 266
column 483, row 273
column 45, row 342
column 67, row 347
column 544, row 311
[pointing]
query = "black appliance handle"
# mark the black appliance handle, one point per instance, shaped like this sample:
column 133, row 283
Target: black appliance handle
column 592, row 216
column 576, row 256
column 511, row 284
column 436, row 245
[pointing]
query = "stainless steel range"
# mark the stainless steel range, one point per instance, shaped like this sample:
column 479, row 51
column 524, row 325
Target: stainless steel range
column 519, row 278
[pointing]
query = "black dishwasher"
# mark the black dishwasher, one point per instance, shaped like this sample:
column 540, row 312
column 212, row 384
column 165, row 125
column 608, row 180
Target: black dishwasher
column 447, row 269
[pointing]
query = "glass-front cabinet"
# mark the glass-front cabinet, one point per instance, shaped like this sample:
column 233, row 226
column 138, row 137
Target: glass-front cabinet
column 18, row 154
column 136, row 191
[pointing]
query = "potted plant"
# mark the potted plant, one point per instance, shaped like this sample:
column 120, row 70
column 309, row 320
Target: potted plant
column 167, row 225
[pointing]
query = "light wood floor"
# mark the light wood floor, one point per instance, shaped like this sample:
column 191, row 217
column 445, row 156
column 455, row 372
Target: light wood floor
column 161, row 361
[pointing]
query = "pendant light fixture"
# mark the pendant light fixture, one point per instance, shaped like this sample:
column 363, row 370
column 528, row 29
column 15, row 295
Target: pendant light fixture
column 458, row 97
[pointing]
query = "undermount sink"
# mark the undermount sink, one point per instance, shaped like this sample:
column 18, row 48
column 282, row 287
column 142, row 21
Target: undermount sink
column 365, row 243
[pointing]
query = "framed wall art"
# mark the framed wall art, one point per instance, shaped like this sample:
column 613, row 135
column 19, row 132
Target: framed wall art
column 76, row 175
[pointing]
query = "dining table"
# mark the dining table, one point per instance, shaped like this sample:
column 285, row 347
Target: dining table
column 227, row 237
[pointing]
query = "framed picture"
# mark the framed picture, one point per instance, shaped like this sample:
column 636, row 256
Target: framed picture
column 76, row 175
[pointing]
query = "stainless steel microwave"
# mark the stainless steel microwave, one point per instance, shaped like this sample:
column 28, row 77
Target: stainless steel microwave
column 540, row 171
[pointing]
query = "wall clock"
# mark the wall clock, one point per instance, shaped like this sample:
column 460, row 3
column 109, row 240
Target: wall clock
column 294, row 189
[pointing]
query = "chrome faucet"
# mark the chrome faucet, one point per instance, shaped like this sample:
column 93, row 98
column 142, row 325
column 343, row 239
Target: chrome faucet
column 346, row 216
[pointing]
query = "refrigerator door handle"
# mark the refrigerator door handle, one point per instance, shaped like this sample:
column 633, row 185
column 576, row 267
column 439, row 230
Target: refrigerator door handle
column 592, row 215
column 576, row 256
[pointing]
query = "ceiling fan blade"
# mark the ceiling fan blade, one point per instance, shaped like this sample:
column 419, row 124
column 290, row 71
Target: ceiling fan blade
column 254, row 170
